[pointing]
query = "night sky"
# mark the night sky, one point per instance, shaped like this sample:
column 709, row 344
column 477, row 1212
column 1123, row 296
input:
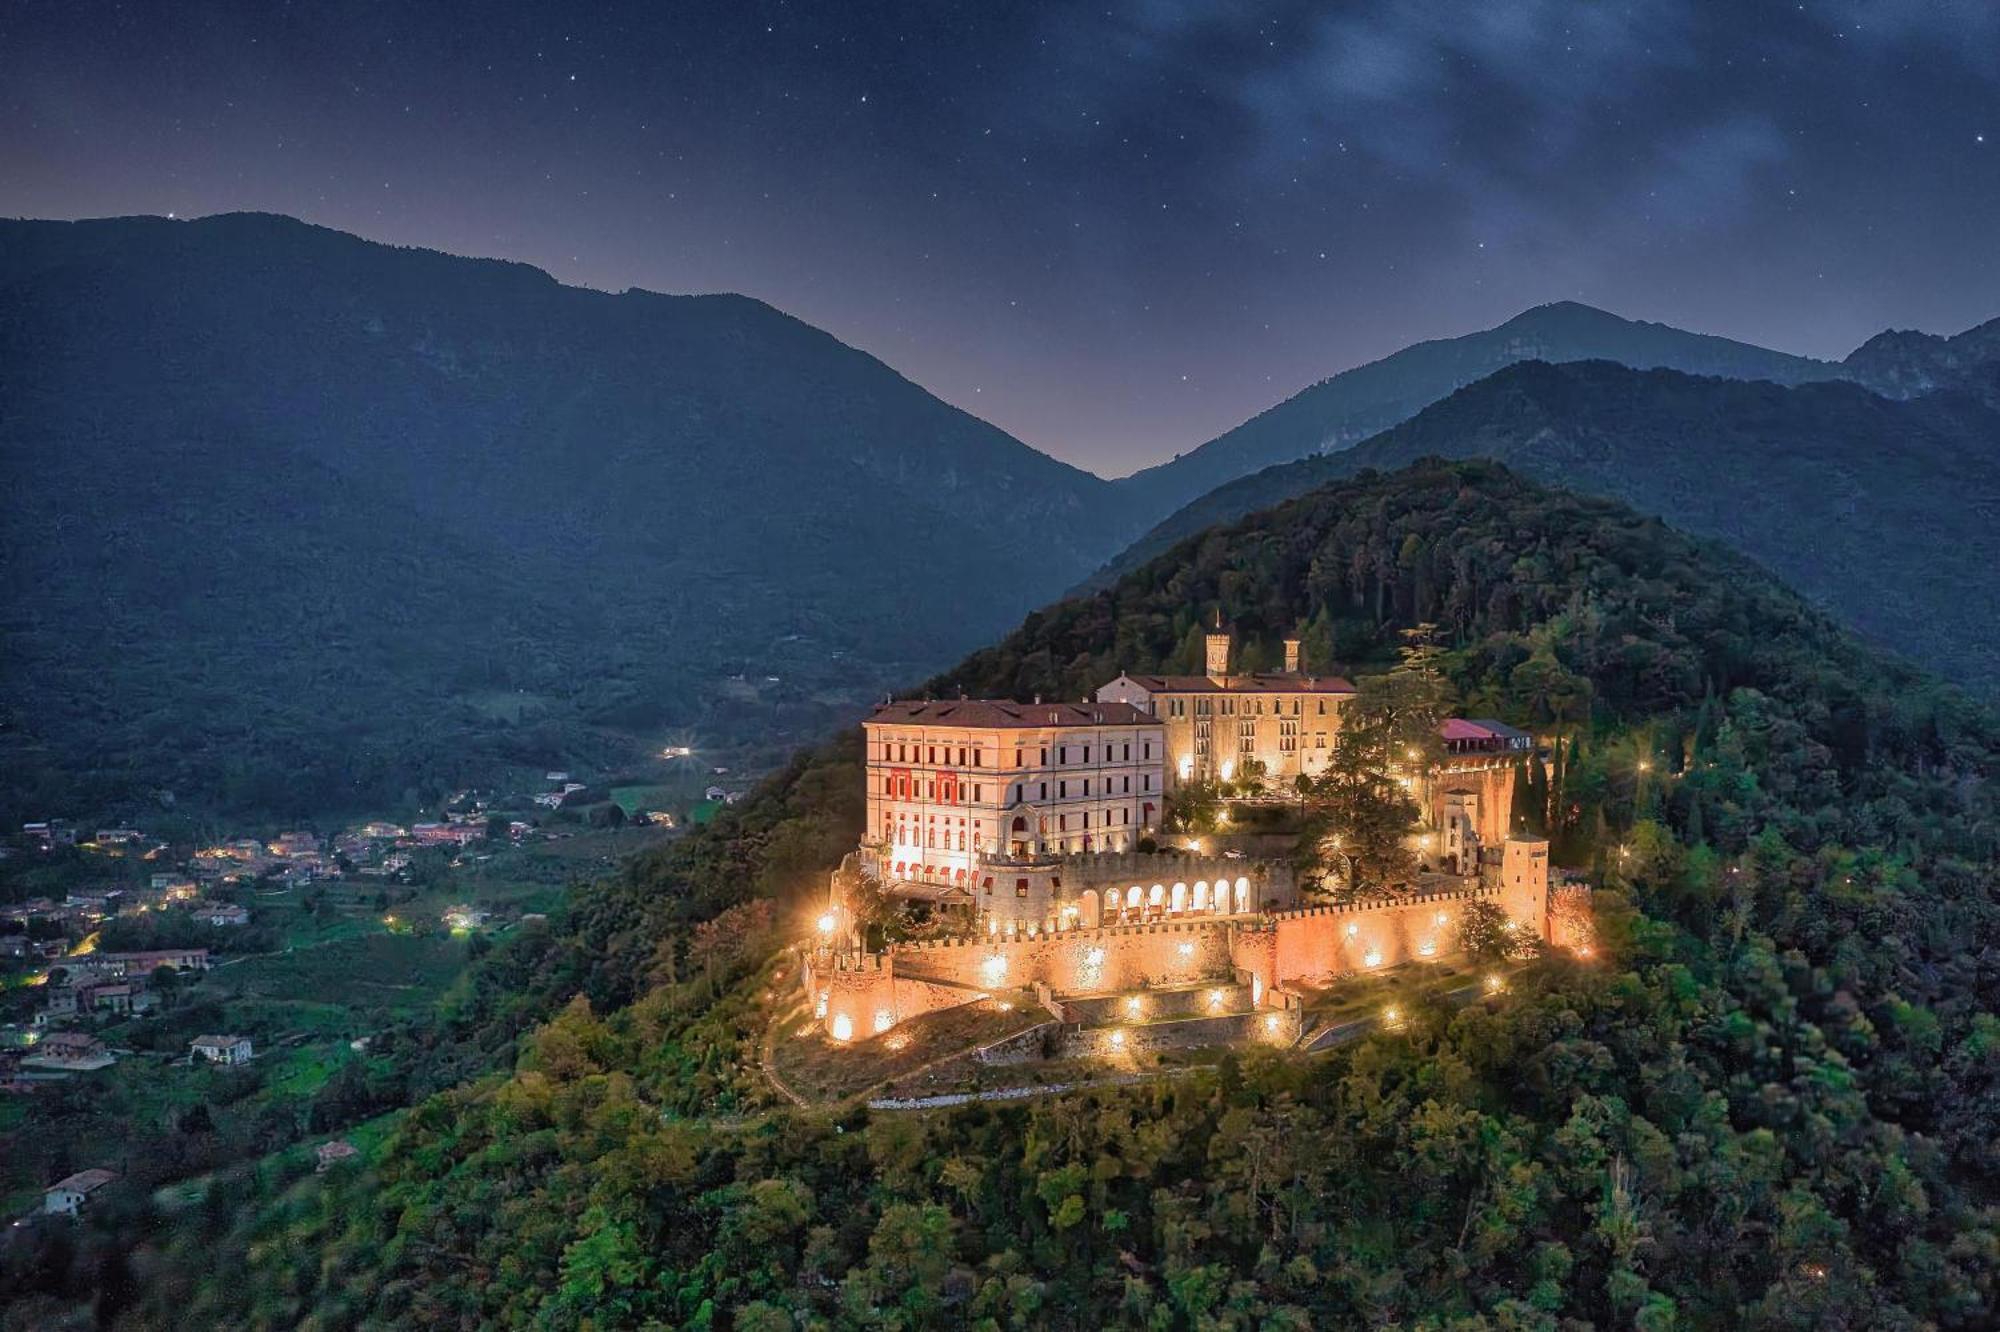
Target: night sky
column 1114, row 230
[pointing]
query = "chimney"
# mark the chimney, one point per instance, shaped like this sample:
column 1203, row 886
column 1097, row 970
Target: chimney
column 1291, row 656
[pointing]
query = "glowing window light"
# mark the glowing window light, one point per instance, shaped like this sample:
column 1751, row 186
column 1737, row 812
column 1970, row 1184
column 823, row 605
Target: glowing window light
column 884, row 1019
column 843, row 1027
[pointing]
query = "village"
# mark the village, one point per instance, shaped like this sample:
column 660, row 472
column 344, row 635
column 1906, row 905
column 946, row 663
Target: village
column 167, row 971
column 1140, row 874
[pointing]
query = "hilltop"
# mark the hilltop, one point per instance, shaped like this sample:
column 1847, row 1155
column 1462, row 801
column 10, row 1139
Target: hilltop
column 1882, row 510
column 1770, row 1104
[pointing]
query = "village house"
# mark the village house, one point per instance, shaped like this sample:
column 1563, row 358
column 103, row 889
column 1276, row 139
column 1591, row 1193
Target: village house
column 330, row 1154
column 447, row 834
column 221, row 914
column 144, row 964
column 68, row 1051
column 230, row 1050
column 67, row 1197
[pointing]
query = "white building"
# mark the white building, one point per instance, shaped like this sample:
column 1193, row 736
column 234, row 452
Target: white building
column 955, row 783
column 66, row 1197
column 222, row 1049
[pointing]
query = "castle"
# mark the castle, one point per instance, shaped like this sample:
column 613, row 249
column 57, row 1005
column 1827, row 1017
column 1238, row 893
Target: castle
column 1036, row 826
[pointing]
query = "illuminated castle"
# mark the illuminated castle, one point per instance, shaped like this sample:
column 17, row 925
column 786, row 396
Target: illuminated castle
column 1033, row 829
column 1287, row 721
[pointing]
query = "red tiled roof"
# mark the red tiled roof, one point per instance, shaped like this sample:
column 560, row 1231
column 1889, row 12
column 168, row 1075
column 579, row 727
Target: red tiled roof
column 1275, row 683
column 983, row 713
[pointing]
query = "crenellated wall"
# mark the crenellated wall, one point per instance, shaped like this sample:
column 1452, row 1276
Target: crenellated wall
column 856, row 995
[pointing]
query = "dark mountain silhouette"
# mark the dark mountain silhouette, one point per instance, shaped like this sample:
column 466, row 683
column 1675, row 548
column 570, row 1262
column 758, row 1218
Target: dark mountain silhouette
column 1905, row 364
column 1355, row 404
column 1884, row 511
column 289, row 514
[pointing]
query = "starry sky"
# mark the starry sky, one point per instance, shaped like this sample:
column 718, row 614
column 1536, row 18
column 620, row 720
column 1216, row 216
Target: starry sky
column 1113, row 229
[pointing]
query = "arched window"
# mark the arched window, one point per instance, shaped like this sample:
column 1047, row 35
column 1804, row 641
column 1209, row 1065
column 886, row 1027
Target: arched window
column 1201, row 894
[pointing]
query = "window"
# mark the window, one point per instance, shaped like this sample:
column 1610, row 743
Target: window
column 1020, row 887
column 1062, row 754
column 1062, row 790
column 1086, row 753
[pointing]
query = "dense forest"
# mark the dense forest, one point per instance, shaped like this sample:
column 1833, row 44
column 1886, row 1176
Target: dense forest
column 1882, row 510
column 1771, row 1101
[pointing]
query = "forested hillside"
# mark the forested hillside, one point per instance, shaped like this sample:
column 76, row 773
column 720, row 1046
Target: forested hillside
column 1885, row 512
column 1772, row 1101
column 294, row 522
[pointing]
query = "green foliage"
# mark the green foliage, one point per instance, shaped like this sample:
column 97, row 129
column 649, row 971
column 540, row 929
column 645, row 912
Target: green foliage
column 1769, row 1102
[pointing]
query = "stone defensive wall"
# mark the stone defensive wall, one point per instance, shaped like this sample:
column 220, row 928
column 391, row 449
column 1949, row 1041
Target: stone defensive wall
column 858, row 995
column 1280, row 1027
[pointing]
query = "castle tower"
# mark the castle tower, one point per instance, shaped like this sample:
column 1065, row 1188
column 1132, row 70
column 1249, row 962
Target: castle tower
column 1291, row 656
column 1524, row 882
column 1218, row 651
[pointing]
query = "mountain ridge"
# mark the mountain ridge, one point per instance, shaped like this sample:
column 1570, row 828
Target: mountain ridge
column 1904, row 493
column 1350, row 406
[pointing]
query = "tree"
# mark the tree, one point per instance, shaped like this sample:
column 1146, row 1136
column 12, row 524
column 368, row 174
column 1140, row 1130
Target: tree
column 1359, row 817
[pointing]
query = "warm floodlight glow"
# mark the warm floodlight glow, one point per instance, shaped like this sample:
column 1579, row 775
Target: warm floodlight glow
column 1353, row 930
column 994, row 969
column 1186, row 950
column 1215, row 999
column 1427, row 948
column 827, row 922
column 1494, row 985
column 1117, row 1040
column 1442, row 917
column 1094, row 958
column 1228, row 769
column 1135, row 1005
column 1271, row 1021
column 1373, row 958
column 1187, row 767
column 884, row 1020
column 843, row 1027
column 819, row 1009
column 1392, row 1015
